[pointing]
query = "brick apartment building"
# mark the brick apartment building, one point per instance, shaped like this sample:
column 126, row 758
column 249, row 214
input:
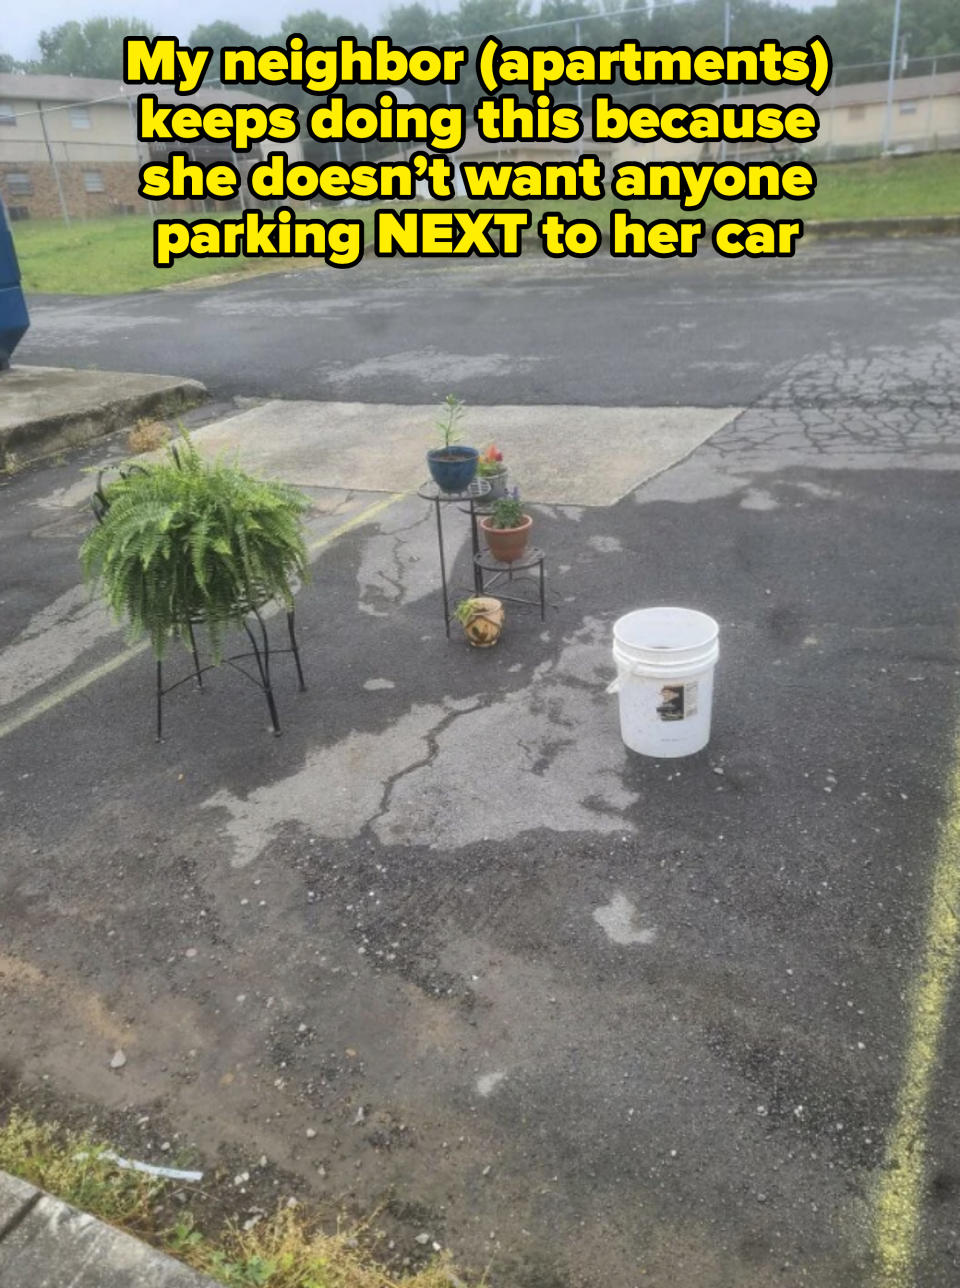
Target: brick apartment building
column 88, row 128
column 925, row 117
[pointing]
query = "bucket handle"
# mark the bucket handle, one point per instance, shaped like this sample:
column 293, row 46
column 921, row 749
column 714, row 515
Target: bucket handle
column 623, row 668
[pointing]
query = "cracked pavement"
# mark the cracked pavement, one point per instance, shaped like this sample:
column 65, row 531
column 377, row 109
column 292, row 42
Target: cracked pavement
column 611, row 1021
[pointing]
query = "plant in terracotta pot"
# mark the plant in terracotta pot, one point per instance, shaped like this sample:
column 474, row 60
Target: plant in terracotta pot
column 452, row 466
column 507, row 528
column 481, row 617
column 490, row 466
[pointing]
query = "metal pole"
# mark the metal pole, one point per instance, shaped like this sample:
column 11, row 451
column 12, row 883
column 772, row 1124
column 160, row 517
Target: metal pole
column 56, row 173
column 726, row 42
column 143, row 153
column 888, row 117
column 576, row 41
column 930, row 133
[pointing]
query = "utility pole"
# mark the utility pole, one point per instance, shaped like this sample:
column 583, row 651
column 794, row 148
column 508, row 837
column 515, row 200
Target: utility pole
column 143, row 152
column 726, row 42
column 888, row 117
column 576, row 41
column 53, row 165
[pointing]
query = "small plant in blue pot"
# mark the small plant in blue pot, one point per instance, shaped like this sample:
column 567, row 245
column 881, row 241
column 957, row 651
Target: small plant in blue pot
column 452, row 466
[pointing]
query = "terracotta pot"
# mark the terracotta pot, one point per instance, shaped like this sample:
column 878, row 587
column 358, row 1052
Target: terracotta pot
column 484, row 623
column 507, row 544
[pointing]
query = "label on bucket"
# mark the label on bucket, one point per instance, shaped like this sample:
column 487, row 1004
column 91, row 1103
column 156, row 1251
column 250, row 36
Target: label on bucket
column 678, row 701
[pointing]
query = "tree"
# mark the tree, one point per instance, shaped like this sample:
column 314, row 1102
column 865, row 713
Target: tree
column 220, row 35
column 321, row 28
column 485, row 17
column 411, row 25
column 91, row 48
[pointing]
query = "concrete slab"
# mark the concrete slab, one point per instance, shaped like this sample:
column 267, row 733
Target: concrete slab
column 55, row 1246
column 560, row 455
column 46, row 409
column 15, row 1197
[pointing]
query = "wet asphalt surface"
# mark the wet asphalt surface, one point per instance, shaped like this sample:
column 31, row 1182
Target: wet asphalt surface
column 393, row 908
column 710, row 332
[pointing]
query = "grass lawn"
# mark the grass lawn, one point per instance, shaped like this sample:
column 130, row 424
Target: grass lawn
column 876, row 189
column 113, row 256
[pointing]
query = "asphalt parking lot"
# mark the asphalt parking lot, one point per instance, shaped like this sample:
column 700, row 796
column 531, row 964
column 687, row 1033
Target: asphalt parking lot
column 709, row 333
column 589, row 1019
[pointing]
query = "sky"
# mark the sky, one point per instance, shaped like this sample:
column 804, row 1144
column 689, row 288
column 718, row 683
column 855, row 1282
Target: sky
column 22, row 23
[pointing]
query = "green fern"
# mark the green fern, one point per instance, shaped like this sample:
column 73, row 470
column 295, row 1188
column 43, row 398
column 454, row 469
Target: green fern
column 184, row 541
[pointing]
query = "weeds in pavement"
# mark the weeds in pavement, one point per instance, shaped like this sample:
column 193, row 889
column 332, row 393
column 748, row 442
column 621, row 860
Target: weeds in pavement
column 286, row 1250
column 71, row 1165
column 148, row 436
column 283, row 1252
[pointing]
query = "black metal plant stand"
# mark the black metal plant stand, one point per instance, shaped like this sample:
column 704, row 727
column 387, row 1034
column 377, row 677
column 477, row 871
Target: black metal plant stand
column 494, row 573
column 467, row 500
column 261, row 653
column 243, row 610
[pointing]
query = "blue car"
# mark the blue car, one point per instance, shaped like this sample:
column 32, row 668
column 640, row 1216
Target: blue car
column 13, row 308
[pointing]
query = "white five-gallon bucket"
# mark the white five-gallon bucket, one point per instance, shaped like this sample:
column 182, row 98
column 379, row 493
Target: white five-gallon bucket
column 665, row 659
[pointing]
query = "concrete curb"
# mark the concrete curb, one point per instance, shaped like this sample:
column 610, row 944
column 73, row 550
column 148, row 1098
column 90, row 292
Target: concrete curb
column 48, row 409
column 48, row 1244
column 901, row 226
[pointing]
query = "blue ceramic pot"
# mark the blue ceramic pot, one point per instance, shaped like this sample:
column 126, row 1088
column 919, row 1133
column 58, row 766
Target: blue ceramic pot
column 453, row 468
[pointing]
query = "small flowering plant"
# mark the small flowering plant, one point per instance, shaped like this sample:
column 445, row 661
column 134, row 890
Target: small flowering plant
column 507, row 528
column 490, row 462
column 508, row 512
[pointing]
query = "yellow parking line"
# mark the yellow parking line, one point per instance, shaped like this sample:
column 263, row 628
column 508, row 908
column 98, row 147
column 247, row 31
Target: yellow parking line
column 899, row 1197
column 81, row 682
column 75, row 686
column 363, row 517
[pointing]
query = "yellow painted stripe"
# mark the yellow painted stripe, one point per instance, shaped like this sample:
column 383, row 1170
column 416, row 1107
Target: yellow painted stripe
column 358, row 519
column 75, row 686
column 81, row 682
column 899, row 1197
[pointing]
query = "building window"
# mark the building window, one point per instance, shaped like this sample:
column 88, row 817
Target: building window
column 93, row 181
column 80, row 118
column 908, row 108
column 19, row 183
column 8, row 114
column 857, row 112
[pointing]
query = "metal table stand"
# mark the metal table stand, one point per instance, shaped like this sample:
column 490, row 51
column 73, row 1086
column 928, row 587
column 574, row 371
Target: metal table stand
column 492, row 573
column 261, row 653
column 467, row 499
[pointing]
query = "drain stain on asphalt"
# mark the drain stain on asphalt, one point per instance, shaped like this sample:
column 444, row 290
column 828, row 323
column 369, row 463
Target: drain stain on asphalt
column 617, row 921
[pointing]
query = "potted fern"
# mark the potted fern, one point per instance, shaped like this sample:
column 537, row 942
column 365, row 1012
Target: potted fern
column 182, row 542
